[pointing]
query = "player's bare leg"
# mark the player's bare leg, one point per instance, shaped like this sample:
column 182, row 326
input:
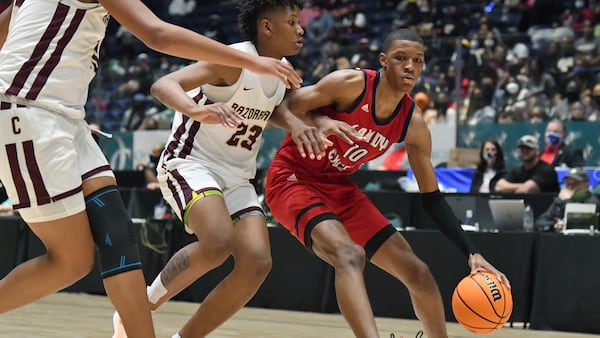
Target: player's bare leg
column 68, row 259
column 397, row 258
column 333, row 244
column 252, row 256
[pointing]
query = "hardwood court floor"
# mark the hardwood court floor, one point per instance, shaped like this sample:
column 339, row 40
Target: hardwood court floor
column 67, row 315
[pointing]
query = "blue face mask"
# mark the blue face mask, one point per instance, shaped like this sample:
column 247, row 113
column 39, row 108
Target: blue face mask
column 553, row 139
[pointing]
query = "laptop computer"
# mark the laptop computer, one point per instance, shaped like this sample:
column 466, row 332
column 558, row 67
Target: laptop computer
column 579, row 218
column 507, row 214
column 460, row 204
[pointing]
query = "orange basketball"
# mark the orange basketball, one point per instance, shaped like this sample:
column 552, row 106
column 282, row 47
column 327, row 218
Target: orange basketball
column 481, row 304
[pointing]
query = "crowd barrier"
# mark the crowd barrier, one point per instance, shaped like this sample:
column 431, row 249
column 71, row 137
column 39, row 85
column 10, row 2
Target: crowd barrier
column 554, row 277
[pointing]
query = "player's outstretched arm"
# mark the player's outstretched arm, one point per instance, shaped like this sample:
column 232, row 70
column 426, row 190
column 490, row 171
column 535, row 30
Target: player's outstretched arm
column 418, row 146
column 178, row 41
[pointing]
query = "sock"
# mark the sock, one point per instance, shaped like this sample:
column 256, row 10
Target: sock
column 156, row 290
column 176, row 335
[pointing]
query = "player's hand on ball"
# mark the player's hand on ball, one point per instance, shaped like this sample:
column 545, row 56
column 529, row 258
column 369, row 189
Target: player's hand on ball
column 477, row 263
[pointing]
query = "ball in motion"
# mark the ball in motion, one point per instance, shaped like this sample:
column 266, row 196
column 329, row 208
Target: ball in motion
column 481, row 303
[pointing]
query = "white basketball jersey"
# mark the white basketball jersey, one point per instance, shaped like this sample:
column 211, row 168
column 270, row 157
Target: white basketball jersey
column 231, row 152
column 51, row 52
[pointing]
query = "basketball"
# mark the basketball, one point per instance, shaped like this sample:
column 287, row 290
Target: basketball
column 481, row 304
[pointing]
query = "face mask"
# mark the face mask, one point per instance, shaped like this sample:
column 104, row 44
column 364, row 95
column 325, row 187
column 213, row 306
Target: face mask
column 512, row 88
column 578, row 4
column 488, row 43
column 489, row 156
column 553, row 139
column 474, row 44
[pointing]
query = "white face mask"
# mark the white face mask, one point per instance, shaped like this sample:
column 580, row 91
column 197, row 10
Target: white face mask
column 512, row 87
column 488, row 42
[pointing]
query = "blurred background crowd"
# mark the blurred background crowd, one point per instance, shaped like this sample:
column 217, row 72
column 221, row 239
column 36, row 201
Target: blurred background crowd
column 499, row 61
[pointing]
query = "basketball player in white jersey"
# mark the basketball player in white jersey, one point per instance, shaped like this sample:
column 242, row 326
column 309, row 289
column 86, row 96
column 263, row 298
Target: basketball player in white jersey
column 55, row 174
column 210, row 157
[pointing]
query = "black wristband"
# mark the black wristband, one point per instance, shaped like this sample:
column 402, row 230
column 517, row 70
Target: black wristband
column 440, row 212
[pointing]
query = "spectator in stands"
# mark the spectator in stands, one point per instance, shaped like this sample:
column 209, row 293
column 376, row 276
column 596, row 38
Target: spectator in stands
column 577, row 14
column 320, row 27
column 533, row 176
column 490, row 169
column 557, row 152
column 149, row 167
column 575, row 190
column 215, row 29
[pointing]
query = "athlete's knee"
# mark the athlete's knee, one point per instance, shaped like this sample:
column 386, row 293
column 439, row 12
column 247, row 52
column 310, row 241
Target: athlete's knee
column 113, row 232
column 72, row 266
column 256, row 264
column 216, row 247
column 418, row 276
column 348, row 254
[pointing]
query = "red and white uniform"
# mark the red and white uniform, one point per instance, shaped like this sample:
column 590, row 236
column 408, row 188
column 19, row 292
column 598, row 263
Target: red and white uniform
column 302, row 192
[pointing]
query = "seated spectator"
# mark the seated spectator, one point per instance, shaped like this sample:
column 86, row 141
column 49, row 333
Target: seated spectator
column 149, row 168
column 490, row 169
column 557, row 153
column 576, row 190
column 533, row 176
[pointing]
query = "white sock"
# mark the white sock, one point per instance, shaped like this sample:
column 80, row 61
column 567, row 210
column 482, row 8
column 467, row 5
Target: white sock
column 156, row 290
column 176, row 335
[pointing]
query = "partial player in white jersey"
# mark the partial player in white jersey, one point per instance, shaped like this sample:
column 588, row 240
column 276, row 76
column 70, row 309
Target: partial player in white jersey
column 56, row 176
column 210, row 157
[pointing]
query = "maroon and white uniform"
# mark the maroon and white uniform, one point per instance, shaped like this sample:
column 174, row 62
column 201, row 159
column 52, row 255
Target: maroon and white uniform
column 302, row 192
column 47, row 62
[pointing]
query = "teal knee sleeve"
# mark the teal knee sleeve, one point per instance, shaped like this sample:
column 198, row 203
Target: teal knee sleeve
column 113, row 233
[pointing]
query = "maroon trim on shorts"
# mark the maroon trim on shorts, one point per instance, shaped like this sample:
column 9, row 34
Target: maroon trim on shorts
column 5, row 105
column 95, row 171
column 185, row 189
column 41, row 193
column 67, row 194
column 18, row 181
column 245, row 210
column 44, row 74
column 38, row 51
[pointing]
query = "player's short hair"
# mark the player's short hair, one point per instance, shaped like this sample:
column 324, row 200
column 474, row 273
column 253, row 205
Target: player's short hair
column 253, row 10
column 400, row 34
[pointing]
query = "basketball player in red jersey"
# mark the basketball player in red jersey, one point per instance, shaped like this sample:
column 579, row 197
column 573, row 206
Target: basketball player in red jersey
column 366, row 111
column 55, row 174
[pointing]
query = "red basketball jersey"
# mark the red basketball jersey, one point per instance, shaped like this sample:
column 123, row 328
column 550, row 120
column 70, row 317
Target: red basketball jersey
column 344, row 159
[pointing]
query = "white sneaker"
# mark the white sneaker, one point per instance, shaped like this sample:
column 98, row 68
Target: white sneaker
column 118, row 329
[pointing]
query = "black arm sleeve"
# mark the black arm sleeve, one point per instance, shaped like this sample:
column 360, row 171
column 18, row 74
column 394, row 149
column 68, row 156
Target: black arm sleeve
column 438, row 209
